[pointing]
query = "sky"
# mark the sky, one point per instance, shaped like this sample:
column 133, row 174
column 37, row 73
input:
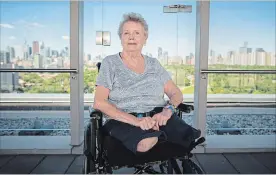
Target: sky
column 231, row 24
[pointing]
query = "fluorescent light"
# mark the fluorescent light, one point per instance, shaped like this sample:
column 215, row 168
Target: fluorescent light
column 177, row 8
column 99, row 38
column 103, row 38
column 167, row 9
column 106, row 38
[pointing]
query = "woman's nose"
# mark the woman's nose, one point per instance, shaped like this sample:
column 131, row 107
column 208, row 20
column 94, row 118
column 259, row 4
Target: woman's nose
column 131, row 36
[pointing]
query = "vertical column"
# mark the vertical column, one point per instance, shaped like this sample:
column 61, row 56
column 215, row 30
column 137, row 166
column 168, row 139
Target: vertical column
column 76, row 82
column 201, row 62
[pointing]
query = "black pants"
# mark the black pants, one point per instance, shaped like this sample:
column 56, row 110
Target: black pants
column 175, row 131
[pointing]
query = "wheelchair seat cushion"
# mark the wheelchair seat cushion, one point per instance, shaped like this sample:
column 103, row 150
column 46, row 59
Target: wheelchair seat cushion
column 119, row 155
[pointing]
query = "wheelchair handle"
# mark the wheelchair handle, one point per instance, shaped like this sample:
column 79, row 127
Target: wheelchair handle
column 185, row 108
column 95, row 114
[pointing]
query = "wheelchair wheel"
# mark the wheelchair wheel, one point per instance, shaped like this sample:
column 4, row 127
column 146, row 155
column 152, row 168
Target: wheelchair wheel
column 190, row 167
column 166, row 167
column 88, row 167
column 89, row 150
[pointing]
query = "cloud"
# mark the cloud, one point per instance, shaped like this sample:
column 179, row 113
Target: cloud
column 7, row 26
column 30, row 25
column 21, row 21
column 34, row 24
column 12, row 37
column 65, row 37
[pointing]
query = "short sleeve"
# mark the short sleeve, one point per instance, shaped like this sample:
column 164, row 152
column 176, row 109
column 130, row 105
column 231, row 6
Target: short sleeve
column 105, row 76
column 164, row 74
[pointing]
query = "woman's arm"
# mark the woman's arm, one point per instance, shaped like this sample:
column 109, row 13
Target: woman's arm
column 101, row 103
column 175, row 96
column 173, row 92
column 170, row 89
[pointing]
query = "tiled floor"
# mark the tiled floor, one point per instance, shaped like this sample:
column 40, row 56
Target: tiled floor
column 244, row 163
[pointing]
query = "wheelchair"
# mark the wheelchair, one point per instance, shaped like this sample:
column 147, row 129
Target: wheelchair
column 103, row 154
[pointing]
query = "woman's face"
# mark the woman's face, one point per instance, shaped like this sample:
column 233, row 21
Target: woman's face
column 133, row 36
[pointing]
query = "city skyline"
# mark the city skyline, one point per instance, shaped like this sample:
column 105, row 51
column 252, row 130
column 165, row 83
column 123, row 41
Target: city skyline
column 31, row 22
column 41, row 57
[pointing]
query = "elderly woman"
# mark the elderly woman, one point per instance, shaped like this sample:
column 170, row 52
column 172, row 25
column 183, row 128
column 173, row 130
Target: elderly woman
column 130, row 92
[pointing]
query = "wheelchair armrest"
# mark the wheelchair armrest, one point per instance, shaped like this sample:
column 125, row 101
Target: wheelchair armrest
column 95, row 113
column 185, row 108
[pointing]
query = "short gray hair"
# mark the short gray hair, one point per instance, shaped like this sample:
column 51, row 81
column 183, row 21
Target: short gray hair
column 135, row 17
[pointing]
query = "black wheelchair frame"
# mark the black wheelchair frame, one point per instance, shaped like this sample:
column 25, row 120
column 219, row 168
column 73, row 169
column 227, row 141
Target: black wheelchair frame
column 96, row 158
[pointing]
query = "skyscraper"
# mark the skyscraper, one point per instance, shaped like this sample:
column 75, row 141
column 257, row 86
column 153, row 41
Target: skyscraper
column 5, row 57
column 160, row 55
column 35, row 47
column 25, row 50
column 260, row 56
column 30, row 50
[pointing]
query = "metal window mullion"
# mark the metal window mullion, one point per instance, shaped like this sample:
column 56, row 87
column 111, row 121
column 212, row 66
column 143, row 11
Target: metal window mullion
column 76, row 62
column 201, row 62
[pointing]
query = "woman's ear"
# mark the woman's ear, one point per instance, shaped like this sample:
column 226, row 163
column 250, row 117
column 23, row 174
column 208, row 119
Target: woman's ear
column 146, row 41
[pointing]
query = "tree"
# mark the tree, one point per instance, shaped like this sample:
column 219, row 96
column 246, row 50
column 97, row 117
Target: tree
column 218, row 83
column 89, row 80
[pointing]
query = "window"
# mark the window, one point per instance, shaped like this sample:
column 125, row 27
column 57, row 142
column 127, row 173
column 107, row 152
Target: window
column 35, row 35
column 242, row 37
column 171, row 38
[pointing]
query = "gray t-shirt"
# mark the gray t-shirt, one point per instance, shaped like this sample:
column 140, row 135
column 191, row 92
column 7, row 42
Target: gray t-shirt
column 130, row 91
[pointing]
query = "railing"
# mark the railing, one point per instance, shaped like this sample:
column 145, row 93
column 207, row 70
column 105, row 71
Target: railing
column 59, row 98
column 238, row 71
column 40, row 70
column 243, row 102
column 238, row 100
column 42, row 129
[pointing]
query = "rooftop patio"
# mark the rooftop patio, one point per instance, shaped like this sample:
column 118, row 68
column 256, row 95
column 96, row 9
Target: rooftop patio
column 234, row 163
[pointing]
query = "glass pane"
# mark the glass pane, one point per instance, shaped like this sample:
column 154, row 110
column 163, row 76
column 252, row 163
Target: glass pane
column 172, row 44
column 163, row 40
column 181, row 66
column 41, row 105
column 171, row 38
column 241, row 104
column 35, row 35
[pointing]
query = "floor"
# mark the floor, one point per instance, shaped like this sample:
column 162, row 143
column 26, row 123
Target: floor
column 244, row 163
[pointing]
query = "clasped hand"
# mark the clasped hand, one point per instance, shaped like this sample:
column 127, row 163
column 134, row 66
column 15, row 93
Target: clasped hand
column 159, row 119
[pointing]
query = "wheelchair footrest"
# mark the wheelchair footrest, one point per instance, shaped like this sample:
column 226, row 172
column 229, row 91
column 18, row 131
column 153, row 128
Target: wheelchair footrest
column 199, row 141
